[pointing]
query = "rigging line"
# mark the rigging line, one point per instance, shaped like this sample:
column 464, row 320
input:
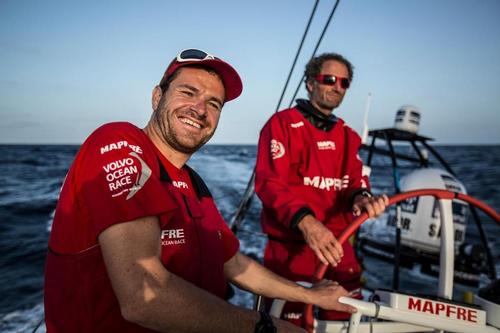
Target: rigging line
column 239, row 216
column 246, row 200
column 39, row 323
column 297, row 55
column 315, row 49
column 244, row 205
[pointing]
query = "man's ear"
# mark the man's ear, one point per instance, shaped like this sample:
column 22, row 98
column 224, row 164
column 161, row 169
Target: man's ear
column 309, row 85
column 156, row 97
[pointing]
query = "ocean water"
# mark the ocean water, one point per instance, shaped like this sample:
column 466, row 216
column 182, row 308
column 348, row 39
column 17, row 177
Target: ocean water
column 31, row 176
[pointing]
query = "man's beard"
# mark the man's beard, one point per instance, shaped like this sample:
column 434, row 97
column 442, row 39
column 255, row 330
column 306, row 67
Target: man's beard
column 173, row 140
column 330, row 104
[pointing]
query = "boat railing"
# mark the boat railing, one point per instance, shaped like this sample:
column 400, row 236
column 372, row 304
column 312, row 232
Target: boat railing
column 408, row 318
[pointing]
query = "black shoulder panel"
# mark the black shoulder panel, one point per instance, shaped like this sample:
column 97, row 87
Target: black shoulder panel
column 199, row 185
column 164, row 177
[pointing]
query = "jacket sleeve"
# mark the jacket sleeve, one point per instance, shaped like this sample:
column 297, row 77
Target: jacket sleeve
column 271, row 174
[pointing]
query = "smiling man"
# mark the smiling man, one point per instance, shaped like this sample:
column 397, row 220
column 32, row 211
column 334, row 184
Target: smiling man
column 308, row 176
column 137, row 243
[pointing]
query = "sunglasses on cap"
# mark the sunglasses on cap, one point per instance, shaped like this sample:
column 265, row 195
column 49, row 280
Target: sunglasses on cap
column 193, row 55
column 331, row 80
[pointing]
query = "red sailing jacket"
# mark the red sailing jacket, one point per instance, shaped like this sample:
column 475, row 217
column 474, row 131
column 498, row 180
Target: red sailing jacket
column 119, row 176
column 301, row 168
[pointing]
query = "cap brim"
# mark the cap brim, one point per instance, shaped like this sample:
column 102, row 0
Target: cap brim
column 231, row 79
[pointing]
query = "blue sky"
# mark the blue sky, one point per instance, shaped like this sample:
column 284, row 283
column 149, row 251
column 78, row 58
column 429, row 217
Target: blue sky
column 67, row 67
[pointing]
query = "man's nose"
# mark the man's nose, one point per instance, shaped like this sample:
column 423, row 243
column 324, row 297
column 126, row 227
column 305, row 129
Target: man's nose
column 200, row 107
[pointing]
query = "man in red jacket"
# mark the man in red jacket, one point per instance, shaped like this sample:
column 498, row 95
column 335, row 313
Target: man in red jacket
column 308, row 177
column 137, row 243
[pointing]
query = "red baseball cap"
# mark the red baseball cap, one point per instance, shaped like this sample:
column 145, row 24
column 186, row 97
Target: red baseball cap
column 231, row 79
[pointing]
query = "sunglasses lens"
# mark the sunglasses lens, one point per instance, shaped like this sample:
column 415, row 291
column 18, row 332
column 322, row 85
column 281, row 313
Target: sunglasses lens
column 329, row 79
column 344, row 83
column 193, row 54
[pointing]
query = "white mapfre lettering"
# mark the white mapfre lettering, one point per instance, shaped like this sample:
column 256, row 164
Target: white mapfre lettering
column 326, row 183
column 297, row 125
column 292, row 315
column 180, row 184
column 172, row 237
column 119, row 145
column 324, row 145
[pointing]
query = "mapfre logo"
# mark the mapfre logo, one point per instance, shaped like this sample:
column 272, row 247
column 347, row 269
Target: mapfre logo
column 445, row 310
column 277, row 149
column 180, row 184
column 119, row 145
column 292, row 315
column 297, row 125
column 172, row 237
column 327, row 183
column 326, row 145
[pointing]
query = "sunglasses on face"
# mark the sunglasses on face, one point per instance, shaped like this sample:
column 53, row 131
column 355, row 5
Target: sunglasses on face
column 193, row 54
column 331, row 80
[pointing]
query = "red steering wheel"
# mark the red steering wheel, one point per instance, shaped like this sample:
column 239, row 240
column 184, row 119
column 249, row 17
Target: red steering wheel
column 308, row 321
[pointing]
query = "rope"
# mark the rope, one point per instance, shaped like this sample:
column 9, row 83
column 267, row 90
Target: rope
column 244, row 205
column 39, row 323
column 297, row 55
column 316, row 49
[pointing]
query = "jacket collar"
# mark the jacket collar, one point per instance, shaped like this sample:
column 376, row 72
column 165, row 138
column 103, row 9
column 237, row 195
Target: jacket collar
column 314, row 116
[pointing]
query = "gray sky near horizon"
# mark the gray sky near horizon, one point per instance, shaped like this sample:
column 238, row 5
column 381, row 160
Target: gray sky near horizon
column 67, row 67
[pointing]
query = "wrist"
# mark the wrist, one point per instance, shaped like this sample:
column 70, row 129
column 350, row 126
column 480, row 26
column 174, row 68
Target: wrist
column 299, row 215
column 359, row 195
column 308, row 296
column 305, row 222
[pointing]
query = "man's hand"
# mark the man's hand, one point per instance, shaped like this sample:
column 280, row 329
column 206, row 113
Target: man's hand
column 374, row 206
column 321, row 240
column 326, row 293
